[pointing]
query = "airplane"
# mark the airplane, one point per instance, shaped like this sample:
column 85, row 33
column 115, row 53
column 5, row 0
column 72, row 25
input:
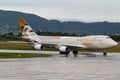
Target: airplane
column 64, row 43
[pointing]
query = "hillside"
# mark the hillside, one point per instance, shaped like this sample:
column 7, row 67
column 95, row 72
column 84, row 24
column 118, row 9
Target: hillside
column 9, row 23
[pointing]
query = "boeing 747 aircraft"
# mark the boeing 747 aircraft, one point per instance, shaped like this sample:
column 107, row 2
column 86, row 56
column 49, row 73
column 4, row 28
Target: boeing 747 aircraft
column 64, row 44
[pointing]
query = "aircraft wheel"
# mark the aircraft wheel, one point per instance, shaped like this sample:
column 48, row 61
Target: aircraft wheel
column 75, row 53
column 105, row 54
column 67, row 54
column 61, row 53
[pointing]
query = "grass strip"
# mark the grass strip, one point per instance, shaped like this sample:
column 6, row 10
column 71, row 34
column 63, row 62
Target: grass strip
column 22, row 55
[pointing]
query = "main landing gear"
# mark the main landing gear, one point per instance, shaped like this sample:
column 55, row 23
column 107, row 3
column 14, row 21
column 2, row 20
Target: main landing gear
column 65, row 53
column 105, row 53
column 75, row 53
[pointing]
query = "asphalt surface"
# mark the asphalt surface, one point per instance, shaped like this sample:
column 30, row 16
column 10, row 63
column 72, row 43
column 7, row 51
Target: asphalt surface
column 59, row 67
column 28, row 51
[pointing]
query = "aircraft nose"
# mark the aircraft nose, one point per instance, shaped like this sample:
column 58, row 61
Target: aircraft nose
column 114, row 43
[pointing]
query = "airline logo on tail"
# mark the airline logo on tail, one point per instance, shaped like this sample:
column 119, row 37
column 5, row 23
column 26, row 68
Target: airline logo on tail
column 27, row 32
column 25, row 28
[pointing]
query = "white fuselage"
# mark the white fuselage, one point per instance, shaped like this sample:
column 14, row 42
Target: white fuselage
column 87, row 42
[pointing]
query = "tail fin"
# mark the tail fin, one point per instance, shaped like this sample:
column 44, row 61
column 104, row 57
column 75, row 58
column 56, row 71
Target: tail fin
column 27, row 32
column 25, row 28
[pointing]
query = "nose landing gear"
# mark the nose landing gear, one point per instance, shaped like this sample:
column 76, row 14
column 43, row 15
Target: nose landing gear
column 105, row 53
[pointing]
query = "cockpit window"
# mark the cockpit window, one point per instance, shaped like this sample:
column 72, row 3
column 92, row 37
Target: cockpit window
column 107, row 37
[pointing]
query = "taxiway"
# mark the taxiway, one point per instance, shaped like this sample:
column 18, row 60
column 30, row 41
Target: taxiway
column 60, row 68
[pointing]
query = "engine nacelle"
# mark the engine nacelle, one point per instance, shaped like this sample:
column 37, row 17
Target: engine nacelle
column 63, row 49
column 38, row 47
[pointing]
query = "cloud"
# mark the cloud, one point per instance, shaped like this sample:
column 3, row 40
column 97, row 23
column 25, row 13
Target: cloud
column 83, row 10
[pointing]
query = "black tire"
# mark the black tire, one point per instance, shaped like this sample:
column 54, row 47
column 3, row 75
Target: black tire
column 75, row 53
column 105, row 54
column 67, row 54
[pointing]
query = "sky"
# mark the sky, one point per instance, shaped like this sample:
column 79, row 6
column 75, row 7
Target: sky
column 67, row 10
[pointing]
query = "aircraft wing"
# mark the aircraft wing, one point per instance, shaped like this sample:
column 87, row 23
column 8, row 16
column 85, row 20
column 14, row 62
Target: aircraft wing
column 76, row 46
column 70, row 46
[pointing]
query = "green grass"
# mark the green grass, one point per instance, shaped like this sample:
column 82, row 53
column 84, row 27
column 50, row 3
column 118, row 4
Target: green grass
column 20, row 46
column 22, row 55
column 115, row 49
column 17, row 46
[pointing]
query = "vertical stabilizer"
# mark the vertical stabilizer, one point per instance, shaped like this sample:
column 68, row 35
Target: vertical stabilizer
column 25, row 28
column 27, row 31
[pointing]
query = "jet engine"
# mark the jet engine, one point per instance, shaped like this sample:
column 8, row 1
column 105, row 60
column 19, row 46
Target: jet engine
column 63, row 49
column 38, row 47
